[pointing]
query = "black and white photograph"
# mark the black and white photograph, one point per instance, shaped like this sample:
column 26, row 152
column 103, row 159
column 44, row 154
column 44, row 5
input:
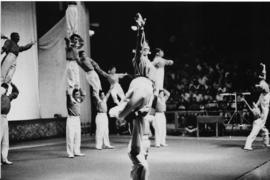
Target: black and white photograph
column 139, row 90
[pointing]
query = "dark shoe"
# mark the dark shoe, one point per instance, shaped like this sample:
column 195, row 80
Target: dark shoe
column 7, row 162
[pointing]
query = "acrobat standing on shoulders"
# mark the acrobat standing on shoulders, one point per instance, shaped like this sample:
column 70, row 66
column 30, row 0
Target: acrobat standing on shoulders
column 73, row 44
column 12, row 50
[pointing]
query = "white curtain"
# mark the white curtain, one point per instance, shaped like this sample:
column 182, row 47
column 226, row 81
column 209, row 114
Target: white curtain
column 21, row 17
column 52, row 71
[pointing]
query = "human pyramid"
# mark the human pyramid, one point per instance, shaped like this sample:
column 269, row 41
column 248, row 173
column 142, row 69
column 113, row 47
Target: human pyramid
column 144, row 101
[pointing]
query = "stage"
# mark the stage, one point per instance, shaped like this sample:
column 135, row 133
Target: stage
column 187, row 158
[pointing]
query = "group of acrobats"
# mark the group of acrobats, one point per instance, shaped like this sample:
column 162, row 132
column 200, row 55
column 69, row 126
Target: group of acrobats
column 144, row 102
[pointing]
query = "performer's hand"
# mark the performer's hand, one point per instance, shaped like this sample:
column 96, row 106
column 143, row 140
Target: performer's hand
column 73, row 101
column 139, row 20
column 262, row 64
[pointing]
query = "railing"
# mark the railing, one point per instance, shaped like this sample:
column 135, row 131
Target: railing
column 181, row 118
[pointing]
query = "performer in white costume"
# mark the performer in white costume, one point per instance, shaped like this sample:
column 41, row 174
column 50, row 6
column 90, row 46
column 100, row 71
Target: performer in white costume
column 159, row 62
column 102, row 125
column 9, row 62
column 89, row 66
column 263, row 106
column 4, row 131
column 73, row 44
column 73, row 126
column 113, row 78
column 160, row 118
column 72, row 19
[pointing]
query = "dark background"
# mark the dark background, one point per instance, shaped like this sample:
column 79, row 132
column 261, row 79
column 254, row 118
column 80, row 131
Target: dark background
column 214, row 32
column 227, row 32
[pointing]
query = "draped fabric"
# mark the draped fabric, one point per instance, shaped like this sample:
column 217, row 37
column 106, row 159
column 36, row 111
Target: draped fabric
column 52, row 71
column 52, row 68
column 21, row 17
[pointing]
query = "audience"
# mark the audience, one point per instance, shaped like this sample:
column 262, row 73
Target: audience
column 197, row 85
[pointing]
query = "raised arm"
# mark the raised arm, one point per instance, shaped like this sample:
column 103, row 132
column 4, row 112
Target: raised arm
column 263, row 76
column 121, row 75
column 166, row 94
column 140, row 37
column 83, row 94
column 109, row 92
column 27, row 46
column 14, row 93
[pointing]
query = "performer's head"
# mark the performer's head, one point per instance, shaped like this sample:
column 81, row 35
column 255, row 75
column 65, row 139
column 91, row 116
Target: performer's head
column 15, row 37
column 161, row 93
column 76, row 94
column 159, row 52
column 112, row 70
column 76, row 41
column 101, row 95
column 82, row 54
column 5, row 86
column 263, row 86
column 145, row 49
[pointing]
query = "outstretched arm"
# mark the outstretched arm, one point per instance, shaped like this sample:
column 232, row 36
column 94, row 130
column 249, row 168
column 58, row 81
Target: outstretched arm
column 162, row 62
column 168, row 62
column 27, row 46
column 121, row 75
column 99, row 70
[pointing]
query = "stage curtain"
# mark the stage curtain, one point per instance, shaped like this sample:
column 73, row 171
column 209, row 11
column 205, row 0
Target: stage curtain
column 21, row 17
column 52, row 71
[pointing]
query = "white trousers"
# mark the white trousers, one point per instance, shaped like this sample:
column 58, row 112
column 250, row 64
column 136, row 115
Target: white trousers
column 160, row 129
column 4, row 137
column 94, row 81
column 73, row 135
column 102, row 130
column 140, row 169
column 160, row 77
column 8, row 68
column 116, row 92
column 138, row 96
column 73, row 75
column 257, row 126
column 72, row 20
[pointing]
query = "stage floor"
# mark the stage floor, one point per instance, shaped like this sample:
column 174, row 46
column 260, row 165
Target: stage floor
column 186, row 158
